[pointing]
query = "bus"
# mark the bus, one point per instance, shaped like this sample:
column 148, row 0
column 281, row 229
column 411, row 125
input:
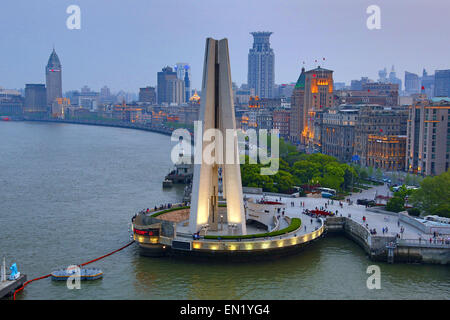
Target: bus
column 327, row 192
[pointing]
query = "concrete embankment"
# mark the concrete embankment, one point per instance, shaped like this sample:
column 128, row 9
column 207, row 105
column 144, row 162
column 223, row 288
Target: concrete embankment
column 162, row 130
column 375, row 245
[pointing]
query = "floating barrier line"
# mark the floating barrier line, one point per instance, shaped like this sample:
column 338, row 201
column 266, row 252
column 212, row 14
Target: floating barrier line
column 81, row 265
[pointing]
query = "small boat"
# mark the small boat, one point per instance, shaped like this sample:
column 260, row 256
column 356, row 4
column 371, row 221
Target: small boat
column 85, row 274
column 167, row 183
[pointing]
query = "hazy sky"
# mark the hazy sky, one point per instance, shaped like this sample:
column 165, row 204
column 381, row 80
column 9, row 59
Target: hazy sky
column 122, row 44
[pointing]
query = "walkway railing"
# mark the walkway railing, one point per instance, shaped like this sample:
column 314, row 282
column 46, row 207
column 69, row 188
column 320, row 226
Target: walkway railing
column 425, row 243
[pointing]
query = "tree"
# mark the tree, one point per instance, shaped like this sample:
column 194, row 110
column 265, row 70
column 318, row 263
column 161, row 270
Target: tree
column 433, row 197
column 395, row 204
column 378, row 174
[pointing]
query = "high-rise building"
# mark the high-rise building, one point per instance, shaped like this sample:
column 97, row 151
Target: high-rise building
column 442, row 83
column 183, row 71
column 164, row 76
column 427, row 84
column 393, row 78
column 318, row 97
column 412, row 83
column 35, row 100
column 428, row 144
column 147, row 94
column 261, row 65
column 298, row 112
column 187, row 87
column 175, row 92
column 53, row 78
column 383, row 76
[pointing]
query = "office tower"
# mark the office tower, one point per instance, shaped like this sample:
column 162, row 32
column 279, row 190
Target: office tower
column 393, row 78
column 358, row 84
column 427, row 84
column 187, row 87
column 183, row 71
column 412, row 83
column 147, row 94
column 175, row 91
column 318, row 97
column 383, row 76
column 53, row 78
column 442, row 83
column 217, row 112
column 164, row 76
column 35, row 100
column 261, row 65
column 298, row 114
column 428, row 141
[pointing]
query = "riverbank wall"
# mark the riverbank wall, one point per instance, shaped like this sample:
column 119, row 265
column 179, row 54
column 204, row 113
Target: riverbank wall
column 161, row 130
column 376, row 245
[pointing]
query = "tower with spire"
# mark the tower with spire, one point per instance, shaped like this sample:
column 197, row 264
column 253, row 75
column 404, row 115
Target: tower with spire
column 53, row 78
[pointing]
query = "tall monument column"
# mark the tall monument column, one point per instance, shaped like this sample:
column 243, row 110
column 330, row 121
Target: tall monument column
column 217, row 112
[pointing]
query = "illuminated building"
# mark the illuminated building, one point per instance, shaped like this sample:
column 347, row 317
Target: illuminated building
column 386, row 152
column 217, row 112
column 428, row 144
column 53, row 78
column 318, row 97
column 59, row 106
column 380, row 121
column 261, row 65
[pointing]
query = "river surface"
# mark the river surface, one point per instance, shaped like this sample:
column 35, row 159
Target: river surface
column 68, row 192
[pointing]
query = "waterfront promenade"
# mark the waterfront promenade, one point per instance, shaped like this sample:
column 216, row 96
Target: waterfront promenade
column 375, row 220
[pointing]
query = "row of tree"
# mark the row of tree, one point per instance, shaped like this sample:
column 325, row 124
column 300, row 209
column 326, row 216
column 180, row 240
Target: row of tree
column 433, row 197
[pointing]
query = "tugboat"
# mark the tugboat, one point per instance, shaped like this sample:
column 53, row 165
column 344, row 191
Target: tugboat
column 85, row 274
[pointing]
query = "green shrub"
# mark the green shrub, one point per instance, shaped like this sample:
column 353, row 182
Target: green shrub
column 414, row 212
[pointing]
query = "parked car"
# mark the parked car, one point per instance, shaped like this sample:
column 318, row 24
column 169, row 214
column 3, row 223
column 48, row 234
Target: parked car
column 365, row 202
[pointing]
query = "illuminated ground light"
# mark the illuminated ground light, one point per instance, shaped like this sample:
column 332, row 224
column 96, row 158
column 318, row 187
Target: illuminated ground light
column 232, row 247
column 249, row 246
column 196, row 245
column 154, row 240
column 141, row 239
column 214, row 247
column 294, row 241
column 265, row 245
column 280, row 243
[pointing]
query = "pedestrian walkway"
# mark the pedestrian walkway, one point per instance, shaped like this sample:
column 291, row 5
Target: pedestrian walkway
column 374, row 220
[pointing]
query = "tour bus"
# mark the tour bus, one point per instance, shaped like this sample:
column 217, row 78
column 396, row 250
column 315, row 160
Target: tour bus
column 327, row 192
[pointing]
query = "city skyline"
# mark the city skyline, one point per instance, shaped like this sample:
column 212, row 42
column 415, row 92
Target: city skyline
column 97, row 56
